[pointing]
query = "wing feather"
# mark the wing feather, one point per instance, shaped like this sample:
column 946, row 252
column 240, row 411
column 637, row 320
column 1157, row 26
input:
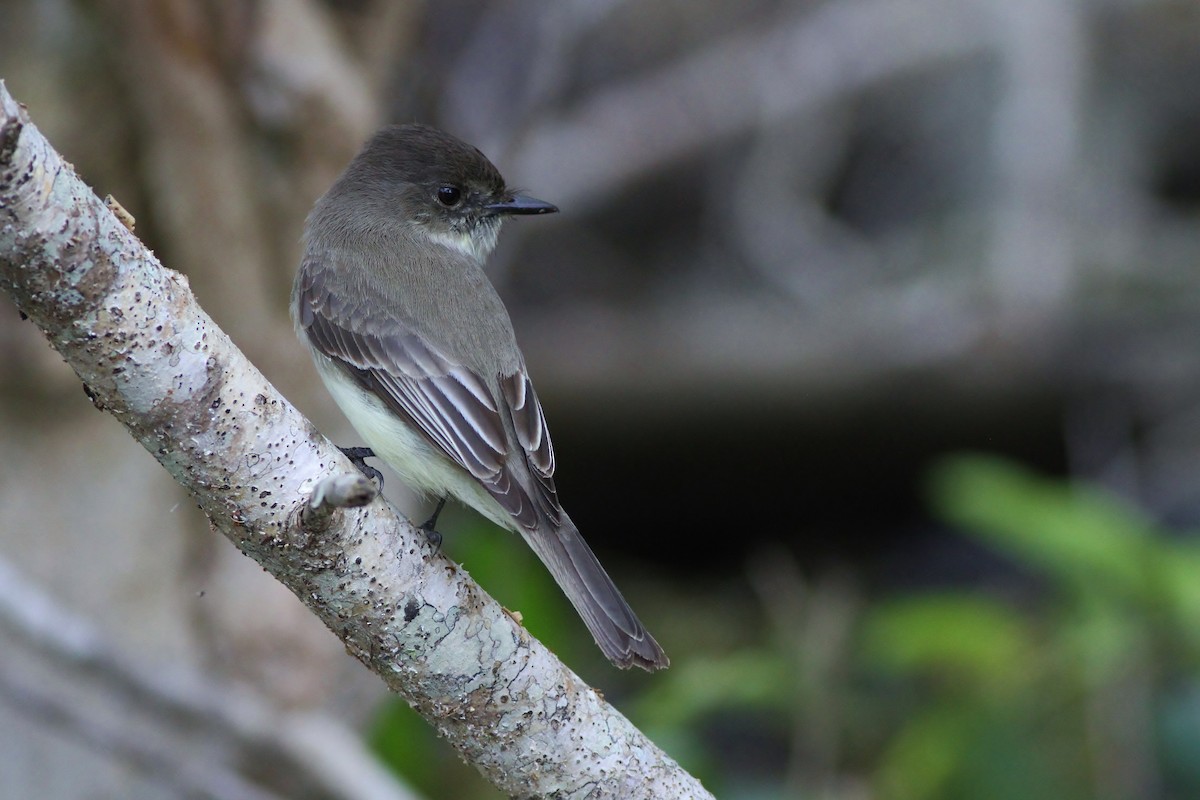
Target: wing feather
column 449, row 404
column 529, row 423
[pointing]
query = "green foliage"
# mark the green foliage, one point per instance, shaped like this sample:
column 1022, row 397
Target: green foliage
column 673, row 708
column 1083, row 540
column 402, row 741
column 1067, row 694
column 940, row 632
column 744, row 679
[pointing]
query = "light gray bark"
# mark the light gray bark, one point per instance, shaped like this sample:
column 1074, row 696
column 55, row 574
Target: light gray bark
column 152, row 358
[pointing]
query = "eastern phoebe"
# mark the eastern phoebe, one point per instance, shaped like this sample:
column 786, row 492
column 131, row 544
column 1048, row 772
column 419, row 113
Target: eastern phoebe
column 417, row 349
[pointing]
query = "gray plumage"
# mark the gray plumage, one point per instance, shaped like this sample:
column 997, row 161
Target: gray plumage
column 418, row 350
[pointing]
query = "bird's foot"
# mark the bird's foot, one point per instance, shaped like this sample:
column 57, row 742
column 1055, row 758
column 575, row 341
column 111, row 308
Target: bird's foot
column 357, row 456
column 428, row 526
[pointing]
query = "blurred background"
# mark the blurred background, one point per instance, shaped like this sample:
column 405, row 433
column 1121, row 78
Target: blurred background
column 867, row 336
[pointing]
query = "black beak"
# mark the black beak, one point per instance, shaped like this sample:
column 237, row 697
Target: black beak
column 522, row 204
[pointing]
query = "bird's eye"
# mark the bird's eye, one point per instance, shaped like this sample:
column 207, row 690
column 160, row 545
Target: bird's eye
column 449, row 196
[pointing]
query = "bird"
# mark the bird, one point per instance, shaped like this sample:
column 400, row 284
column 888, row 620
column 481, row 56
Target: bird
column 416, row 347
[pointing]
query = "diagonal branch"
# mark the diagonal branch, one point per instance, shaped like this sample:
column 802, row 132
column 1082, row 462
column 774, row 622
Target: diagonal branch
column 151, row 357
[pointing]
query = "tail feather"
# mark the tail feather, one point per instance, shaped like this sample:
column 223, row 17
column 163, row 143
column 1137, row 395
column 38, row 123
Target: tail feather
column 617, row 630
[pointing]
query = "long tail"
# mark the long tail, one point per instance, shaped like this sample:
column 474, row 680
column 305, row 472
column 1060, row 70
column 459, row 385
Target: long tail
column 617, row 630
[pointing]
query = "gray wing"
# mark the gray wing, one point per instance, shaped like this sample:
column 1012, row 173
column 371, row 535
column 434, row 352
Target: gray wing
column 455, row 410
column 449, row 404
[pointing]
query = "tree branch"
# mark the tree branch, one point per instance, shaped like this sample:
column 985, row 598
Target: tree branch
column 151, row 357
